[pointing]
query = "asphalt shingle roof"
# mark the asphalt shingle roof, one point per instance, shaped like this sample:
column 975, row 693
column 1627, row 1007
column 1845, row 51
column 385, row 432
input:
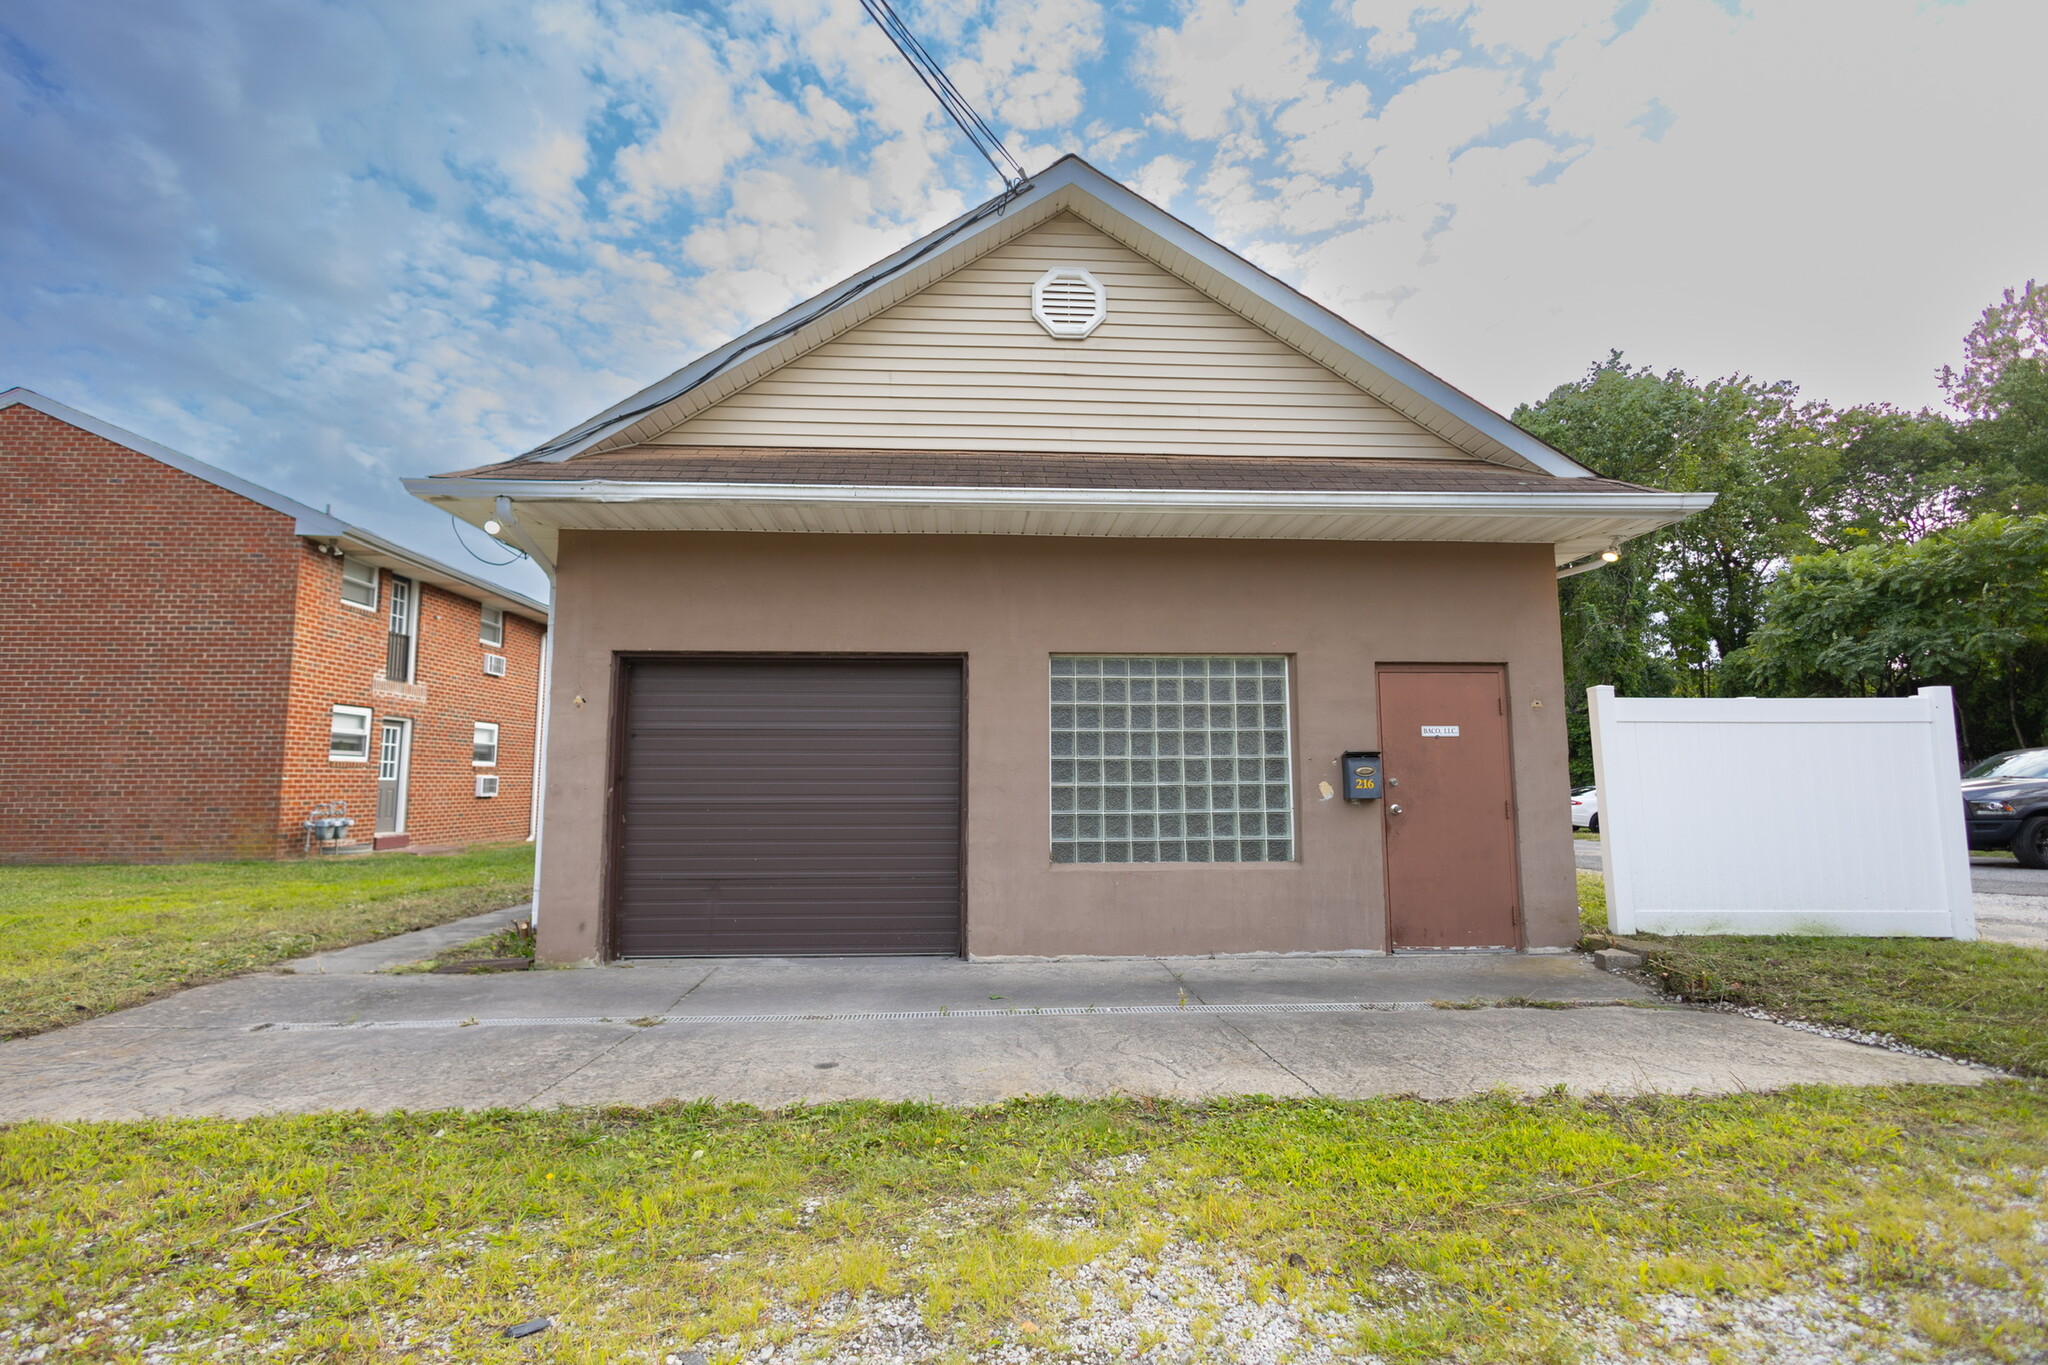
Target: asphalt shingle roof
column 1007, row 469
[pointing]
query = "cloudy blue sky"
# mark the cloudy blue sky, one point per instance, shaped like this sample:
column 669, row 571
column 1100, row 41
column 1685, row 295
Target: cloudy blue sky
column 327, row 243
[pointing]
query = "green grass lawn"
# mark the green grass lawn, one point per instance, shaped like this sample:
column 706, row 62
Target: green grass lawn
column 1987, row 1002
column 81, row 940
column 1492, row 1229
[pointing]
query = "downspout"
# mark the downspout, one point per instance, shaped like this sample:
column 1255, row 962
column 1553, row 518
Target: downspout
column 544, row 692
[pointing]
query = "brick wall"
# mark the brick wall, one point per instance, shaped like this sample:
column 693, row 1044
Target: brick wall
column 339, row 661
column 143, row 654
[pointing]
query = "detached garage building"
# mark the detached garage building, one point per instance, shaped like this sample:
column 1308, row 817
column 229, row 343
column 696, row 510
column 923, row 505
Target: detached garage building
column 1022, row 596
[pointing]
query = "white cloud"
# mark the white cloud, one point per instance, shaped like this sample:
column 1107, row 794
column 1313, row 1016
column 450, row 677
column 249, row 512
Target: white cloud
column 1224, row 53
column 1833, row 221
column 1163, row 179
column 1025, row 60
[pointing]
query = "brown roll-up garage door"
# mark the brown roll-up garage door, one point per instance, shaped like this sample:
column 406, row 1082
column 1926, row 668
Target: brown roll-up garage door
column 779, row 807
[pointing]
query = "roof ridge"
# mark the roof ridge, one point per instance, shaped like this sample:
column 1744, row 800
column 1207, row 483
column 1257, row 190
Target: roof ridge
column 1053, row 189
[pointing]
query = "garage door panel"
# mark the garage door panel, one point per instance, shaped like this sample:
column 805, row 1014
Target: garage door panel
column 849, row 859
column 785, row 807
column 791, row 917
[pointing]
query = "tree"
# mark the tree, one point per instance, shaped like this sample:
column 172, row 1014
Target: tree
column 1898, row 476
column 1966, row 607
column 1660, row 621
column 2003, row 387
column 2011, row 333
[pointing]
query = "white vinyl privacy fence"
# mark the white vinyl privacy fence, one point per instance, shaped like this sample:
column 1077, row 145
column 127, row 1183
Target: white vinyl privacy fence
column 1768, row 816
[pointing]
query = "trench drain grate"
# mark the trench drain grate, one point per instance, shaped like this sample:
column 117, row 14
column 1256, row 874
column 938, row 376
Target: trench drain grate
column 848, row 1016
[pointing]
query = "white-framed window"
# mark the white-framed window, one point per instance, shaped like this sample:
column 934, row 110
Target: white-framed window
column 348, row 734
column 359, row 583
column 400, row 657
column 1171, row 759
column 484, row 746
column 492, row 630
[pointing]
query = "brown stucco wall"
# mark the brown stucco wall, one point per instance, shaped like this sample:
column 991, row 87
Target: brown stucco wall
column 1006, row 603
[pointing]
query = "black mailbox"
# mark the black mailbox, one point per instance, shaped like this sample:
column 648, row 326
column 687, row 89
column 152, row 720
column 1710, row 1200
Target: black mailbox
column 1362, row 777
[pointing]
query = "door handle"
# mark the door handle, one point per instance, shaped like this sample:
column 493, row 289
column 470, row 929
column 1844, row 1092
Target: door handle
column 1394, row 810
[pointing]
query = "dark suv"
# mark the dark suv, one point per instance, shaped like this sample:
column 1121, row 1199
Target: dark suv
column 2005, row 804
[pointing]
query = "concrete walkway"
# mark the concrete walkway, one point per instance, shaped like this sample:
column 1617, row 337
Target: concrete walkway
column 406, row 949
column 774, row 1032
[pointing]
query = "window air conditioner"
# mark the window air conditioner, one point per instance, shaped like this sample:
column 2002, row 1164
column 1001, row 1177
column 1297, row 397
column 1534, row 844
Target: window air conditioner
column 487, row 785
column 494, row 665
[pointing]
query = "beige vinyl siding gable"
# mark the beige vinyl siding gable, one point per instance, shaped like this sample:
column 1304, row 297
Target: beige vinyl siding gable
column 963, row 366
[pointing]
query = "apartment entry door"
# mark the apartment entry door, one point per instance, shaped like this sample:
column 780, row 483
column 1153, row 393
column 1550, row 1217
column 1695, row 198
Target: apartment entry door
column 394, row 753
column 1449, row 807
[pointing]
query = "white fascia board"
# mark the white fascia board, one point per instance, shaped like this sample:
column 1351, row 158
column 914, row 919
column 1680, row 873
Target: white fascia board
column 1657, row 508
column 1069, row 185
column 355, row 540
column 309, row 521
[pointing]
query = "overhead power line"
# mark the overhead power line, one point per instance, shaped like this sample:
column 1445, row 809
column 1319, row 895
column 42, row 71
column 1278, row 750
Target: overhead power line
column 970, row 123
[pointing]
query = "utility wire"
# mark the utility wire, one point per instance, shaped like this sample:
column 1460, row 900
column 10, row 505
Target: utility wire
column 517, row 554
column 946, row 93
column 977, row 132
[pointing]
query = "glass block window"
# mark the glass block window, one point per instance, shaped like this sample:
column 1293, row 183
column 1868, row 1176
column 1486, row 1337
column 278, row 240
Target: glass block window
column 1170, row 759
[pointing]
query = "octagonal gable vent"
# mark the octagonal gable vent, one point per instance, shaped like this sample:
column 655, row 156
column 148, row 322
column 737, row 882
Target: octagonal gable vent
column 1069, row 302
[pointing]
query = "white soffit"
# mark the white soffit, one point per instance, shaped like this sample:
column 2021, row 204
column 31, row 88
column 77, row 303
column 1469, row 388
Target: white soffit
column 1071, row 185
column 1576, row 524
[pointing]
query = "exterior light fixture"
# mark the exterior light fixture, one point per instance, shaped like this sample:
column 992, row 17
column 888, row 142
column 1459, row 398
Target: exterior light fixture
column 492, row 527
column 1612, row 552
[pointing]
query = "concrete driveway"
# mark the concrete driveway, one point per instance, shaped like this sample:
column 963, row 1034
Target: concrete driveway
column 2011, row 901
column 335, row 1035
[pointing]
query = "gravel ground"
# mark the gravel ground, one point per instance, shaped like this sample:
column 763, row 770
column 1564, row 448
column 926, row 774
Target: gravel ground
column 1186, row 1303
column 1183, row 1304
column 1813, row 1328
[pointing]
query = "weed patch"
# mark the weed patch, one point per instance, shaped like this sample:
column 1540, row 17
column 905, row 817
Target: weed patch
column 1592, row 903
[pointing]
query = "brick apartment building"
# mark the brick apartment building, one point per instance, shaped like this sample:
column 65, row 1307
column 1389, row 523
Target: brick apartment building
column 190, row 663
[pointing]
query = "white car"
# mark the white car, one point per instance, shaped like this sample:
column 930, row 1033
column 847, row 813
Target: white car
column 1586, row 809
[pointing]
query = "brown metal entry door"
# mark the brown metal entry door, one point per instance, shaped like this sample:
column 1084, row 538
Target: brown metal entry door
column 1449, row 806
column 786, row 807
